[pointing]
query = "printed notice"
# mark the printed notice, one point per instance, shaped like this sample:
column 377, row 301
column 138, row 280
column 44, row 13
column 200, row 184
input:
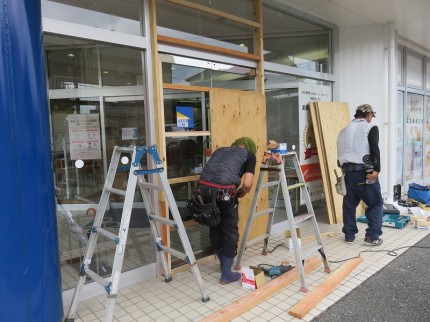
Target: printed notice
column 84, row 135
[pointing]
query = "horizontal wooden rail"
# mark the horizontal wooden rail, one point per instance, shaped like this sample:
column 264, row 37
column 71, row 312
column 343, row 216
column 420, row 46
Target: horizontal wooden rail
column 215, row 12
column 210, row 48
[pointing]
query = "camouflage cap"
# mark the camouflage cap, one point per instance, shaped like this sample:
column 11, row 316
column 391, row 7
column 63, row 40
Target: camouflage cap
column 365, row 109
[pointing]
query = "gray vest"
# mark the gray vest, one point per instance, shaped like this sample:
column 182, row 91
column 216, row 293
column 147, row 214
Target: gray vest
column 352, row 142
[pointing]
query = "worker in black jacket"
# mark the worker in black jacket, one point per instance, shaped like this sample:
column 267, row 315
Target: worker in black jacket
column 220, row 179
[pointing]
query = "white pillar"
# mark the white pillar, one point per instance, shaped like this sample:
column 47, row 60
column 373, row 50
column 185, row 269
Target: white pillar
column 391, row 111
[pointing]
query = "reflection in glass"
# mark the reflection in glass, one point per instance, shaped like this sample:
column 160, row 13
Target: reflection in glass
column 413, row 137
column 121, row 66
column 122, row 17
column 427, row 140
column 399, row 137
column 415, row 71
column 193, row 25
column 294, row 42
column 195, row 72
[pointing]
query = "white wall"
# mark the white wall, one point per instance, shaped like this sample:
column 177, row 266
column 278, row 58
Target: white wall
column 360, row 66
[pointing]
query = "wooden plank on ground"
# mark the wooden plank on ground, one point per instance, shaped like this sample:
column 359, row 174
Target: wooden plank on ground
column 252, row 299
column 313, row 298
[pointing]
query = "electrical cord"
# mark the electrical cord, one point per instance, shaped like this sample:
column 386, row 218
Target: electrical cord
column 389, row 252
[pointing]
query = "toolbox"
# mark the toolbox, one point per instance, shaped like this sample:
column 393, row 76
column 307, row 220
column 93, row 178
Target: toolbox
column 390, row 220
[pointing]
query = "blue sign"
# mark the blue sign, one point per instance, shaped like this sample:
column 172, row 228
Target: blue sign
column 184, row 117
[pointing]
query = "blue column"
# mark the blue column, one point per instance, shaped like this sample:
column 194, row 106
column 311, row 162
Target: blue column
column 30, row 281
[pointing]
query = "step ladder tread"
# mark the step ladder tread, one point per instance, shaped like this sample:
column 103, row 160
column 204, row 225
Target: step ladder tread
column 301, row 218
column 310, row 252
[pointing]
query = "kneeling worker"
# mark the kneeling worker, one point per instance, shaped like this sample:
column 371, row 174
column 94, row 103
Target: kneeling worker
column 220, row 180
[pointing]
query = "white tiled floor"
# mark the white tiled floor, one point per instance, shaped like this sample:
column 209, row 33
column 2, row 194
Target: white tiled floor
column 180, row 299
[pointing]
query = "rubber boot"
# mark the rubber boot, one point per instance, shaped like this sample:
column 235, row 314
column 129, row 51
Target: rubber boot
column 218, row 254
column 227, row 276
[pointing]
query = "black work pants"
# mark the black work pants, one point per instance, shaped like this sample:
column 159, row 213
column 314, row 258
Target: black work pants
column 225, row 236
column 357, row 190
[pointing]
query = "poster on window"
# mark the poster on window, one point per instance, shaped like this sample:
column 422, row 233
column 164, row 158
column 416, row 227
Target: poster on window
column 184, row 118
column 84, row 136
column 308, row 157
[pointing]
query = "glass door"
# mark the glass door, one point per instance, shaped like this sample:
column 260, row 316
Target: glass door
column 77, row 149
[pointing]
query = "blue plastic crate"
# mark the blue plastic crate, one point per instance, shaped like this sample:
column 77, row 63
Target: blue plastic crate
column 395, row 221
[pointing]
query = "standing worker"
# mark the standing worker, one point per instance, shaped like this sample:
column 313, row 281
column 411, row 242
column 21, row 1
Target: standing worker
column 359, row 157
column 220, row 180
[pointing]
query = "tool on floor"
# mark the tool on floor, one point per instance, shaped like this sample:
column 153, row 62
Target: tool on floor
column 136, row 177
column 293, row 221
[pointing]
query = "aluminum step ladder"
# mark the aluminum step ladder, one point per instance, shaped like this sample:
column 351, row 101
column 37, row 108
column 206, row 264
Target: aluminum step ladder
column 136, row 177
column 293, row 221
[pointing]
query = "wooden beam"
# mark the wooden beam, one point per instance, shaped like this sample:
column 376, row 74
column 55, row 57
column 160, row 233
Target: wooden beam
column 190, row 88
column 313, row 298
column 252, row 299
column 205, row 47
column 215, row 12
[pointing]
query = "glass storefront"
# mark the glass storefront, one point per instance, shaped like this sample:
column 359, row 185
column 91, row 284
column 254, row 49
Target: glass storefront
column 96, row 102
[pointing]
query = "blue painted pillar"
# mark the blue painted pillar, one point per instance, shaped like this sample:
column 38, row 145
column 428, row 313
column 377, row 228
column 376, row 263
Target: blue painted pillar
column 30, row 281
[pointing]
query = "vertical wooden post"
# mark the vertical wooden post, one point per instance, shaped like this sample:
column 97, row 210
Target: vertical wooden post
column 258, row 46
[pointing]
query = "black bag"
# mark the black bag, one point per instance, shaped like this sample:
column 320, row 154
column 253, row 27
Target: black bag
column 207, row 214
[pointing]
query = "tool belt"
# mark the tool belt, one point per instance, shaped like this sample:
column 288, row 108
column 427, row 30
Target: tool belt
column 348, row 167
column 203, row 212
column 219, row 192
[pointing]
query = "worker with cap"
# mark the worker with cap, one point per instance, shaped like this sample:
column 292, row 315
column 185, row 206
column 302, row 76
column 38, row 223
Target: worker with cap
column 221, row 179
column 359, row 157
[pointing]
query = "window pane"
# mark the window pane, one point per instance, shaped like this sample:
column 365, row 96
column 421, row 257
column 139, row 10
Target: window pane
column 399, row 137
column 414, row 71
column 122, row 17
column 294, row 42
column 413, row 136
column 121, row 66
column 427, row 138
column 428, row 75
column 181, row 22
column 400, row 79
column 194, row 72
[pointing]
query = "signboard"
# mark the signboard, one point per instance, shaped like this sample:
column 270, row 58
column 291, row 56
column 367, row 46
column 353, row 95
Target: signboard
column 84, row 136
column 309, row 159
column 184, row 118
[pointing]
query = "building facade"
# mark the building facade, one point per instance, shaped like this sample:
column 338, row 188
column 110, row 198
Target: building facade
column 119, row 72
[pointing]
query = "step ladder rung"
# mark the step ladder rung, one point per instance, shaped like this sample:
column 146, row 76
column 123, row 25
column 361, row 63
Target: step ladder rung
column 296, row 185
column 116, row 191
column 256, row 240
column 95, row 277
column 106, row 233
column 263, row 212
column 124, row 149
column 269, row 184
column 302, row 217
column 163, row 220
column 310, row 252
column 174, row 252
column 152, row 186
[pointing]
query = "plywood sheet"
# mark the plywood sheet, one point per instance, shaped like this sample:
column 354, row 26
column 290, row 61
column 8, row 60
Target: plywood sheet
column 235, row 114
column 323, row 161
column 333, row 117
